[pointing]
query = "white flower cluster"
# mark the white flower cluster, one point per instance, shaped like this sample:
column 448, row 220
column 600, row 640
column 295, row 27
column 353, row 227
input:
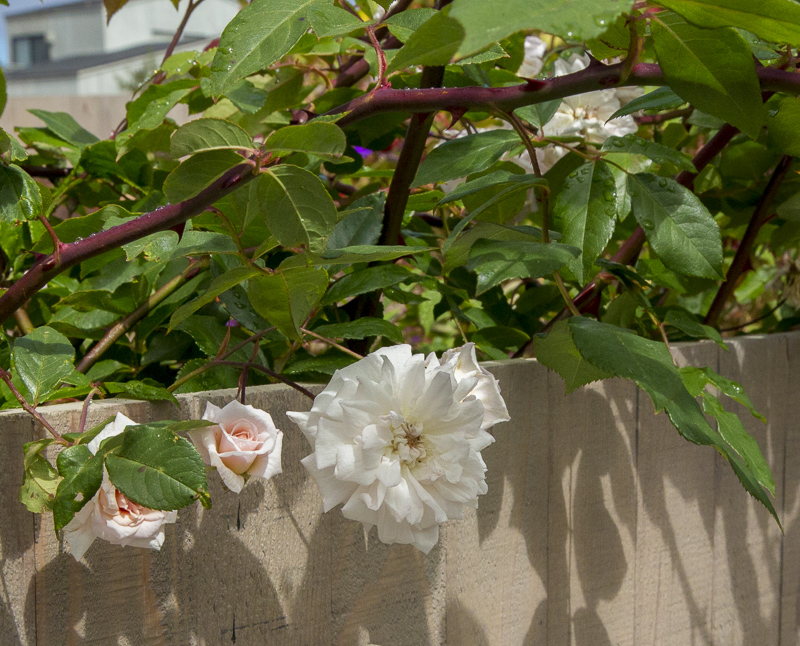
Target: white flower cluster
column 243, row 443
column 584, row 115
column 397, row 437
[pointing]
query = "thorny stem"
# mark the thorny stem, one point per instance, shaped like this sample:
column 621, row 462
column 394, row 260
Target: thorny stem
column 507, row 99
column 742, row 257
column 6, row 377
column 57, row 244
column 166, row 217
column 121, row 327
column 332, row 343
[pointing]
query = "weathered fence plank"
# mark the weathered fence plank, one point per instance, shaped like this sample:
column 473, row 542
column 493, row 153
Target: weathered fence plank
column 601, row 526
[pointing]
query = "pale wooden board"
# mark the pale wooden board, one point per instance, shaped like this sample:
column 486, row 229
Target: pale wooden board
column 601, row 526
column 592, row 517
column 497, row 555
column 748, row 542
column 17, row 558
column 790, row 577
column 675, row 528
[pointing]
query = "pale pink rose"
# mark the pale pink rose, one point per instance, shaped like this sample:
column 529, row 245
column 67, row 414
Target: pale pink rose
column 110, row 515
column 244, row 443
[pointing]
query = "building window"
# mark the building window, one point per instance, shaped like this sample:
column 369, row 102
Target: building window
column 30, row 50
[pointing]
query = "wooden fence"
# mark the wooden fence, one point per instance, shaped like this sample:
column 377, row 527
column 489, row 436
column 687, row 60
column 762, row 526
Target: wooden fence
column 601, row 526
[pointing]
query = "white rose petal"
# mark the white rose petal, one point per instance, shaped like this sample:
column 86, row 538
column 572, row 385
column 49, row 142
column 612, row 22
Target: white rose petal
column 244, row 442
column 110, row 515
column 396, row 440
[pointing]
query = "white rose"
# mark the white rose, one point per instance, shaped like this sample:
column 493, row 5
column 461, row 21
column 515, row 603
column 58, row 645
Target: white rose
column 397, row 438
column 487, row 389
column 111, row 515
column 532, row 62
column 244, row 442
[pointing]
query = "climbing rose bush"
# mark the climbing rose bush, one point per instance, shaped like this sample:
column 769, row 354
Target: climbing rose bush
column 397, row 439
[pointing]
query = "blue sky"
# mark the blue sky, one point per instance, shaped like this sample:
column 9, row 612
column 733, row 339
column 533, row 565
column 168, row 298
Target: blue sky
column 20, row 5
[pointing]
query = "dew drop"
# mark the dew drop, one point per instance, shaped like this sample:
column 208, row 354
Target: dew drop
column 608, row 196
column 573, row 174
column 663, row 182
column 619, row 143
column 647, row 224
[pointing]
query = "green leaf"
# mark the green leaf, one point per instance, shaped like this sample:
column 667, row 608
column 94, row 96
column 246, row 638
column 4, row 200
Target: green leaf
column 20, row 198
column 465, row 155
column 657, row 152
column 586, row 210
column 749, row 482
column 197, row 172
column 287, row 297
column 63, row 125
column 782, row 125
column 457, row 253
column 208, row 134
column 515, row 185
column 712, row 69
column 43, row 358
column 330, row 20
column 557, row 351
column 402, row 25
column 696, row 379
column 157, row 469
column 689, row 325
column 358, row 227
column 258, row 35
column 734, row 433
column 88, row 435
column 664, row 98
column 434, row 43
column 497, row 260
column 151, row 107
column 10, row 148
column 488, row 22
column 82, row 475
column 323, row 140
column 361, row 329
column 40, row 479
column 774, row 20
column 297, row 208
column 220, row 284
column 326, row 364
column 366, row 280
column 157, row 246
column 476, row 185
column 539, row 114
column 368, row 253
column 678, row 226
column 140, row 390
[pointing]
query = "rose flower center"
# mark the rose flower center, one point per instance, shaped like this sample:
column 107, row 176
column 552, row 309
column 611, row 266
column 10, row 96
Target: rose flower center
column 407, row 440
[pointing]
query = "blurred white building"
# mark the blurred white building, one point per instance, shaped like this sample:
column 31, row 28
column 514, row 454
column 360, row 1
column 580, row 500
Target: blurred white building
column 72, row 49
